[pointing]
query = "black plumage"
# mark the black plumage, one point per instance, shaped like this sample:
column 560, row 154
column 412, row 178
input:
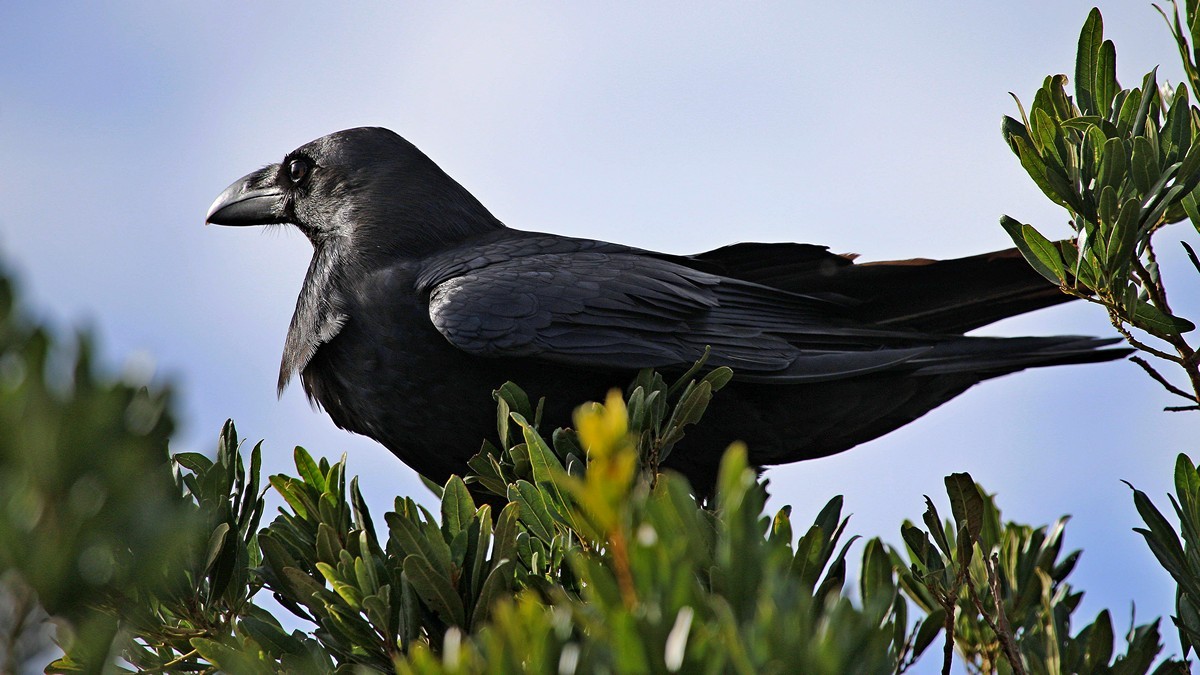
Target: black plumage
column 418, row 302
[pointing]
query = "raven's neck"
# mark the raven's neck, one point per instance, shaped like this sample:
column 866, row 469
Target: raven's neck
column 410, row 215
column 319, row 310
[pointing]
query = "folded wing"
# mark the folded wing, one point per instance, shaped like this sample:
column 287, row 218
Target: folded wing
column 627, row 310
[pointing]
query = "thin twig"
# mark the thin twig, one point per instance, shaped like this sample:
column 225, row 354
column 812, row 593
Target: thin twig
column 1118, row 322
column 1158, row 297
column 1158, row 292
column 620, row 554
column 1002, row 629
column 1162, row 380
column 172, row 663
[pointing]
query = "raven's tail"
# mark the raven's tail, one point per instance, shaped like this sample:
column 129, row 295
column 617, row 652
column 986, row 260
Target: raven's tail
column 990, row 357
column 934, row 296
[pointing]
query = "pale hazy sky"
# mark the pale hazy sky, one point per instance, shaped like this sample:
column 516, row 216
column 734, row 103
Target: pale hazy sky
column 870, row 127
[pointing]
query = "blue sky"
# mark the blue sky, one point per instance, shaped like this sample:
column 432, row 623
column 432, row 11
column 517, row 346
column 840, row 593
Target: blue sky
column 870, row 127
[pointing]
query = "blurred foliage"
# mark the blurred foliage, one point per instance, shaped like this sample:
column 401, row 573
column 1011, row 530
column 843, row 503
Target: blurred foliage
column 1124, row 163
column 75, row 531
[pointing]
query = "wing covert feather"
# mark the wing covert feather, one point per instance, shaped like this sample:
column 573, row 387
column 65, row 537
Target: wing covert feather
column 623, row 310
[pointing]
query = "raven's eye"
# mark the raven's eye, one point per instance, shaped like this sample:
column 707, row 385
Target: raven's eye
column 297, row 170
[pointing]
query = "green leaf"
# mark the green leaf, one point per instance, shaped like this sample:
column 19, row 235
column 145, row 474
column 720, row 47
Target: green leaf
column 1099, row 644
column 967, row 506
column 496, row 586
column 193, row 461
column 417, row 538
column 876, row 579
column 1113, row 165
column 545, row 464
column 329, row 548
column 918, row 543
column 934, row 524
column 1123, row 236
column 533, row 509
column 435, row 590
column 1041, row 254
column 1153, row 320
column 1106, row 87
column 216, row 544
column 308, row 469
column 1128, row 110
column 965, row 502
column 929, row 629
column 717, row 378
column 1161, row 537
column 1050, row 179
column 226, row 658
column 807, row 562
column 1087, row 59
column 1010, row 130
column 1149, row 95
column 1143, row 164
column 457, row 507
column 505, row 534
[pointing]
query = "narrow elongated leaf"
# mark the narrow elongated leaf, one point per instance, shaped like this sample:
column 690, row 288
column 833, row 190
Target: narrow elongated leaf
column 414, row 539
column 329, row 549
column 193, row 461
column 929, row 629
column 1124, row 234
column 227, row 658
column 271, row 637
column 308, row 469
column 918, row 543
column 934, row 523
column 496, row 586
column 1114, row 164
column 807, row 563
column 1162, row 538
column 1010, row 130
column 216, row 545
column 1149, row 95
column 1152, row 319
column 435, row 590
column 533, row 508
column 505, row 534
column 1087, row 57
column 965, row 502
column 1050, row 179
column 1142, row 166
column 1041, row 254
column 457, row 507
column 1130, row 104
column 1106, row 87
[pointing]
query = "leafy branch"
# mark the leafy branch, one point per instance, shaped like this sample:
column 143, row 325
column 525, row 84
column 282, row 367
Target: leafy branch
column 1124, row 163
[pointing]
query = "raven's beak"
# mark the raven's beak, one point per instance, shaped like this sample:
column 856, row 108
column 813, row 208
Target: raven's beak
column 252, row 200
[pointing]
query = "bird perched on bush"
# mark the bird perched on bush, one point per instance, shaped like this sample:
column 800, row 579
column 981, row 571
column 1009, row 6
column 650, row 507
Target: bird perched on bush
column 418, row 302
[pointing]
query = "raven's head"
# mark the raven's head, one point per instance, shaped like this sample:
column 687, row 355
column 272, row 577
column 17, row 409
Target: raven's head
column 366, row 199
column 366, row 190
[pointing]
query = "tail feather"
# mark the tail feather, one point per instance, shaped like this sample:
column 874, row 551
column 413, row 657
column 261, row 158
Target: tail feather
column 935, row 296
column 992, row 357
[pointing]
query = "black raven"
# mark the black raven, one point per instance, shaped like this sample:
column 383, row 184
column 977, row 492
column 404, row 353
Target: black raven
column 418, row 302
